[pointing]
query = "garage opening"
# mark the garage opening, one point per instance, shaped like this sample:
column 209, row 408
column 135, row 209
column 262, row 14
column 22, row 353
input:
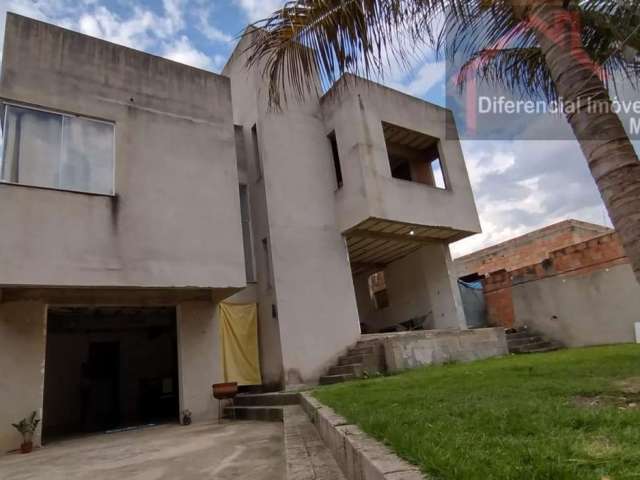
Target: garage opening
column 109, row 368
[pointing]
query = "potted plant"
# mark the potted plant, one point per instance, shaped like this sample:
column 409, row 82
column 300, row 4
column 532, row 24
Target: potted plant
column 27, row 427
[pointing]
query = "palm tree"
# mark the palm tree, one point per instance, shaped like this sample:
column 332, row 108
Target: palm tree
column 576, row 50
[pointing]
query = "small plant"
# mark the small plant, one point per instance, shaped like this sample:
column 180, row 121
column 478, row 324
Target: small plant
column 186, row 417
column 27, row 427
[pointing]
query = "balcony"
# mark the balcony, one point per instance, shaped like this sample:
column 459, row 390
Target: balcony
column 402, row 176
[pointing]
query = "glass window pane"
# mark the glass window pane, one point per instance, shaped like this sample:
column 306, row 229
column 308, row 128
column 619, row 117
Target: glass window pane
column 86, row 162
column 31, row 147
column 59, row 151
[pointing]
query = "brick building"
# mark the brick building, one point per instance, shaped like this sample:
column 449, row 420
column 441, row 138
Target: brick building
column 527, row 249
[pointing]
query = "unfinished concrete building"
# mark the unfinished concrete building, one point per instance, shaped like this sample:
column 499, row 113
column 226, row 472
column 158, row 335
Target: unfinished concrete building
column 137, row 194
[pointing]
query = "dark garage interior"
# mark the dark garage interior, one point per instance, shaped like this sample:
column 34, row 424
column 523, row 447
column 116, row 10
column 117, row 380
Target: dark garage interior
column 109, row 368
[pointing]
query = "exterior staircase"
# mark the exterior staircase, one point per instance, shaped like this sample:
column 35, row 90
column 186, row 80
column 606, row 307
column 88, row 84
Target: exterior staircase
column 365, row 358
column 307, row 457
column 522, row 341
column 266, row 407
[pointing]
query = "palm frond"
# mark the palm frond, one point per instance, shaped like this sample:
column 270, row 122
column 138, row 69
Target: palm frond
column 312, row 42
column 328, row 38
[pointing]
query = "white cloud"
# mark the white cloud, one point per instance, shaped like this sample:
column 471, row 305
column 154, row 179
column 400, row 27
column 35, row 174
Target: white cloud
column 138, row 31
column 181, row 50
column 209, row 30
column 258, row 9
column 525, row 185
column 417, row 81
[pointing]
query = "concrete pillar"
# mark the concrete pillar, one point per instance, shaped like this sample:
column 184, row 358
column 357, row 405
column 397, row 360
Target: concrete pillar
column 199, row 363
column 22, row 356
column 442, row 287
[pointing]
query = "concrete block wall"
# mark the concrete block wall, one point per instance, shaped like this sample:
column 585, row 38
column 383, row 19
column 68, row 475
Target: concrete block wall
column 407, row 350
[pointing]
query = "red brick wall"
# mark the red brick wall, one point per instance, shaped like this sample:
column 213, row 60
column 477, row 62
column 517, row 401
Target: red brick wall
column 580, row 259
column 498, row 299
column 528, row 249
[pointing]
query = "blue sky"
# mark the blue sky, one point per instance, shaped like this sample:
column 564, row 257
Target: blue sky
column 519, row 185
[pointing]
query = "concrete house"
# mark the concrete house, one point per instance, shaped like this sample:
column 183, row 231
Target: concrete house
column 138, row 193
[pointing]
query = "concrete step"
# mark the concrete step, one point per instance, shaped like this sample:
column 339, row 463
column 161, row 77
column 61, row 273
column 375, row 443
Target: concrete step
column 355, row 370
column 331, row 379
column 513, row 336
column 551, row 348
column 371, row 363
column 351, row 360
column 262, row 414
column 532, row 347
column 362, row 350
column 266, row 399
column 516, row 342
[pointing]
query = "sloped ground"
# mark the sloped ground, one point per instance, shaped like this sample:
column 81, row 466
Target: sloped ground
column 239, row 450
column 518, row 417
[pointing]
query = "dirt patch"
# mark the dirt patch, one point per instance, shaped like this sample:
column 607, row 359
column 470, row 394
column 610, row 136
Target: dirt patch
column 625, row 396
column 623, row 401
column 629, row 385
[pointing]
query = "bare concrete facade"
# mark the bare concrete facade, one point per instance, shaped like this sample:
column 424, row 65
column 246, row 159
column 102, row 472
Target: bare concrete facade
column 216, row 197
column 155, row 241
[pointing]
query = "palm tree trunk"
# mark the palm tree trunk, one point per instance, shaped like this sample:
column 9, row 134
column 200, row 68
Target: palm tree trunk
column 609, row 152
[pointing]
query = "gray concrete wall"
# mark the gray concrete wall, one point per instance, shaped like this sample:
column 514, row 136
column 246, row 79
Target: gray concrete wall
column 407, row 350
column 199, row 358
column 420, row 284
column 22, row 356
column 245, row 93
column 407, row 290
column 175, row 220
column 312, row 287
column 596, row 308
column 356, row 110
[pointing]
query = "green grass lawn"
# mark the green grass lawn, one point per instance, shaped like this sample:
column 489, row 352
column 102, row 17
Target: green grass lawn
column 563, row 415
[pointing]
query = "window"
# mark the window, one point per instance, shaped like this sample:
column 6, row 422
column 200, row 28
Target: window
column 378, row 290
column 414, row 156
column 256, row 152
column 47, row 149
column 336, row 159
column 245, row 215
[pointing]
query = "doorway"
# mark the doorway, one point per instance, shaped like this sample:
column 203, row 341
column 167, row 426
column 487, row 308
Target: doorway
column 109, row 368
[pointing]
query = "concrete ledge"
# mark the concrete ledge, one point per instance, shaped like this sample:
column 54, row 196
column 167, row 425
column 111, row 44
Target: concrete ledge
column 308, row 458
column 407, row 350
column 359, row 456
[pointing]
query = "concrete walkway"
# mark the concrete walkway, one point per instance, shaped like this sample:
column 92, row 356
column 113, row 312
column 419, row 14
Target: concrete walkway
column 239, row 450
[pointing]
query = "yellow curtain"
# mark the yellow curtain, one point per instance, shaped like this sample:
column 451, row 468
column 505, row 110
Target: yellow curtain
column 239, row 338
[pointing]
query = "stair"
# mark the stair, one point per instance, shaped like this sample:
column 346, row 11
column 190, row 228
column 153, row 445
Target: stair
column 267, row 399
column 365, row 358
column 264, row 407
column 257, row 413
column 523, row 341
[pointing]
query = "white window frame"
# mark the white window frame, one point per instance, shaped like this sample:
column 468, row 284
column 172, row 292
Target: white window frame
column 5, row 103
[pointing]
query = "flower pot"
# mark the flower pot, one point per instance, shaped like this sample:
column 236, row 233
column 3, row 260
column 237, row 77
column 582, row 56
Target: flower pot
column 26, row 447
column 222, row 391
